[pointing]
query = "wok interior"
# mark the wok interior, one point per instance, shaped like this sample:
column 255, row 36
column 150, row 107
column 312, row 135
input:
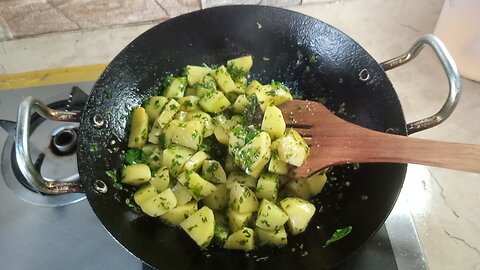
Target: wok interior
column 316, row 61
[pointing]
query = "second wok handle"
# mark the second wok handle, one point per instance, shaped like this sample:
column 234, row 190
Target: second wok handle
column 398, row 149
column 22, row 147
column 450, row 69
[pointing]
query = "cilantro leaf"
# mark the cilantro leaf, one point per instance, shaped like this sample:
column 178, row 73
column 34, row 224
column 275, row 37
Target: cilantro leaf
column 338, row 234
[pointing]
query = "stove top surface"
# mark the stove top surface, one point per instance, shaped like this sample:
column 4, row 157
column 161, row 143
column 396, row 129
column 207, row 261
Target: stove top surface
column 34, row 234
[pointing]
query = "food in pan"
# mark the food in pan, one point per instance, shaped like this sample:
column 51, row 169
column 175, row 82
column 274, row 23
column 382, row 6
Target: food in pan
column 202, row 162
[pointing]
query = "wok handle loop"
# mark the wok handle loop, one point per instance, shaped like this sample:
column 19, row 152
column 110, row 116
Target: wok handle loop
column 22, row 148
column 450, row 69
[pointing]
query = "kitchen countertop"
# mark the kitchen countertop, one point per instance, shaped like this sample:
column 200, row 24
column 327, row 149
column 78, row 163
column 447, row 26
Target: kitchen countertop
column 441, row 201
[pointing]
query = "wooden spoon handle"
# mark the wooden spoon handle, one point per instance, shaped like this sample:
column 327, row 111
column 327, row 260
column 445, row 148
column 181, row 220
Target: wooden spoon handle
column 381, row 147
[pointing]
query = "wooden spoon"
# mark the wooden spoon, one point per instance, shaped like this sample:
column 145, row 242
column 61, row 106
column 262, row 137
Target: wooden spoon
column 335, row 141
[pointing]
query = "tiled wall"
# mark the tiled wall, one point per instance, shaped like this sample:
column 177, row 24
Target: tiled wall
column 26, row 18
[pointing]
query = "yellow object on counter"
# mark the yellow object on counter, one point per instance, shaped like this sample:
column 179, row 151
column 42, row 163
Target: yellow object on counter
column 51, row 76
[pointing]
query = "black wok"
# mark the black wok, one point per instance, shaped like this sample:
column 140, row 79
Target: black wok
column 312, row 58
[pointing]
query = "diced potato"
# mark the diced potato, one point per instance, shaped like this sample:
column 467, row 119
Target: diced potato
column 154, row 107
column 241, row 81
column 223, row 127
column 190, row 91
column 254, row 155
column 299, row 212
column 176, row 88
column 139, row 128
column 200, row 226
column 205, row 118
column 175, row 157
column 242, row 199
column 161, row 180
column 240, row 104
column 224, row 80
column 240, row 66
column 159, row 204
column 272, row 238
column 154, row 160
column 316, row 182
column 298, row 188
column 181, row 116
column 136, row 174
column 230, row 164
column 207, row 85
column 292, row 148
column 195, row 74
column 238, row 220
column 196, row 185
column 188, row 134
column 242, row 240
column 253, row 88
column 267, row 187
column 182, row 194
column 214, row 102
column 168, row 112
column 212, row 171
column 178, row 214
column 189, row 103
column 277, row 165
column 218, row 199
column 148, row 148
column 275, row 94
column 196, row 161
column 273, row 122
column 236, row 139
column 155, row 134
column 146, row 192
column 270, row 216
column 241, row 84
column 242, row 178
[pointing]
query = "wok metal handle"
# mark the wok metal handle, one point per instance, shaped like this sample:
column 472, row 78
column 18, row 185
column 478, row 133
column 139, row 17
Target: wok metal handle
column 22, row 147
column 450, row 69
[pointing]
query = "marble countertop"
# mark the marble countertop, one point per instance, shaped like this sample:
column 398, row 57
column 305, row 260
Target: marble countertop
column 441, row 201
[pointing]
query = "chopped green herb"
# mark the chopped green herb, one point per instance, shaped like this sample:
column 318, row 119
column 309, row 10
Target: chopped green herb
column 264, row 221
column 192, row 227
column 243, row 242
column 313, row 59
column 145, row 102
column 118, row 185
column 167, row 81
column 135, row 156
column 130, row 203
column 338, row 234
column 249, row 115
column 297, row 96
column 220, row 234
column 112, row 174
column 235, row 72
column 93, row 148
column 213, row 168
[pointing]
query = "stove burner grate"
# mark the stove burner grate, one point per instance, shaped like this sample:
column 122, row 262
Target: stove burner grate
column 53, row 147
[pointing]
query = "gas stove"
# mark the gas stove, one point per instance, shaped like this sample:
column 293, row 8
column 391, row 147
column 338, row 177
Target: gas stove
column 62, row 232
